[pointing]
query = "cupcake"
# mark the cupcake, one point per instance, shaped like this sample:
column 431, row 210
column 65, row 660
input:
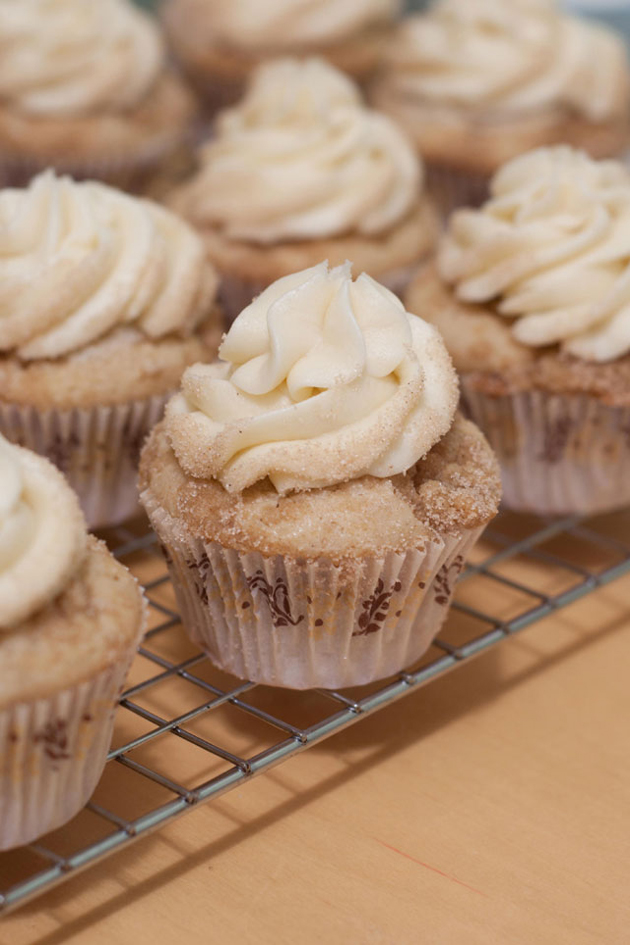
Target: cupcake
column 85, row 87
column 302, row 171
column 315, row 491
column 220, row 43
column 104, row 300
column 475, row 83
column 531, row 293
column 70, row 621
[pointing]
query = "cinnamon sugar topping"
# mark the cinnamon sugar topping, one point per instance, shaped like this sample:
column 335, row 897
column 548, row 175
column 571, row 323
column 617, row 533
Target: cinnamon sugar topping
column 323, row 380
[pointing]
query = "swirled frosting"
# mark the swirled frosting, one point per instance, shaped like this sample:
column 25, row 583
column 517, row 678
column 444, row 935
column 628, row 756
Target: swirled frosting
column 550, row 250
column 67, row 58
column 278, row 24
column 508, row 58
column 42, row 534
column 78, row 260
column 322, row 380
column 303, row 158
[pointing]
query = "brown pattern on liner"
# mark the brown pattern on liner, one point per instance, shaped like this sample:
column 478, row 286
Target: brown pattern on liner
column 277, row 598
column 199, row 569
column 560, row 454
column 444, row 583
column 60, row 450
column 557, row 435
column 52, row 753
column 96, row 448
column 375, row 609
column 323, row 648
column 54, row 736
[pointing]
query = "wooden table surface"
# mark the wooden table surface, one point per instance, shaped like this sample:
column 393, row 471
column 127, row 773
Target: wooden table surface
column 492, row 806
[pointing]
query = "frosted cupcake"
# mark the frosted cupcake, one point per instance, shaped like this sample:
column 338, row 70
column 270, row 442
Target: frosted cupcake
column 532, row 296
column 70, row 620
column 477, row 82
column 220, row 42
column 86, row 88
column 315, row 491
column 104, row 300
column 302, row 171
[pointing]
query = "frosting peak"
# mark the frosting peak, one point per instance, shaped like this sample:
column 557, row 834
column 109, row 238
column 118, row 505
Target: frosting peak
column 78, row 260
column 510, row 58
column 66, row 58
column 550, row 250
column 288, row 91
column 42, row 534
column 302, row 158
column 323, row 380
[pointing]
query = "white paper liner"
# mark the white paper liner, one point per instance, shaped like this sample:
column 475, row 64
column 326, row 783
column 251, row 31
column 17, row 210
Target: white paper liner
column 96, row 448
column 310, row 623
column 235, row 294
column 560, row 454
column 451, row 188
column 52, row 754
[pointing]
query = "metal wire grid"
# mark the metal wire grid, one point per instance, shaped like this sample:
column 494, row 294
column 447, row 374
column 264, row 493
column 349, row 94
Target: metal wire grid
column 536, row 546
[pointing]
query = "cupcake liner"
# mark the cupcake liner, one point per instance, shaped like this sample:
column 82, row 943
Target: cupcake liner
column 52, row 754
column 128, row 173
column 397, row 280
column 451, row 188
column 96, row 448
column 560, row 454
column 235, row 293
column 303, row 623
column 215, row 93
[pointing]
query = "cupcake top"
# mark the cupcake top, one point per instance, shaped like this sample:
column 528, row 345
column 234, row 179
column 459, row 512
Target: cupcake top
column 69, row 58
column 302, row 158
column 509, row 59
column 82, row 261
column 42, row 534
column 550, row 251
column 322, row 380
column 285, row 23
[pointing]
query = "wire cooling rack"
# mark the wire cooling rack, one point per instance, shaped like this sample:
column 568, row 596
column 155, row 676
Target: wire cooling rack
column 186, row 733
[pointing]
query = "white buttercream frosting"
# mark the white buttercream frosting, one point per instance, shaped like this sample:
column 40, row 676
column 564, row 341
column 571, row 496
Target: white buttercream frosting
column 78, row 260
column 64, row 58
column 278, row 24
column 551, row 251
column 507, row 58
column 42, row 534
column 323, row 379
column 303, row 158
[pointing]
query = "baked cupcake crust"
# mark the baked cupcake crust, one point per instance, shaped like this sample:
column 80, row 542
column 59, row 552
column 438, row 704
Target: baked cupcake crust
column 483, row 347
column 88, row 628
column 155, row 123
column 109, row 372
column 455, row 487
column 401, row 246
column 191, row 40
column 474, row 335
column 478, row 146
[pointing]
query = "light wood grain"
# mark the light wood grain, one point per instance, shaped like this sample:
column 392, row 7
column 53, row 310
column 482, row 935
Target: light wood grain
column 490, row 807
